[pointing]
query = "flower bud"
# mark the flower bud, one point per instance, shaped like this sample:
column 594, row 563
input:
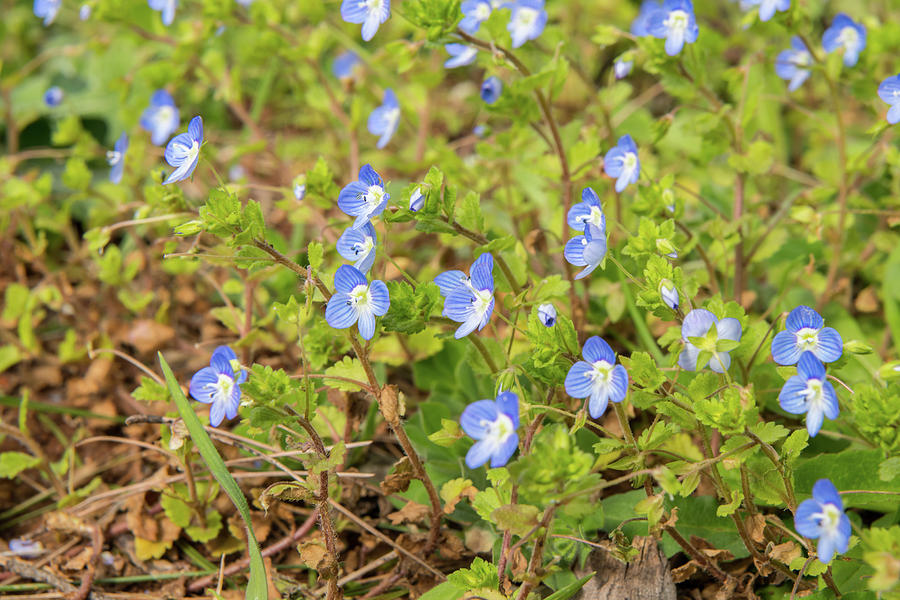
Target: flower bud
column 668, row 293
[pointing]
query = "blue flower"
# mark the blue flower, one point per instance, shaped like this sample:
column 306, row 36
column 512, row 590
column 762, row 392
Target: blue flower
column 823, row 517
column 469, row 299
column 767, row 8
column 384, row 120
column 299, row 191
column 416, row 200
column 219, row 385
column 26, row 548
column 587, row 211
column 793, row 65
column 53, row 96
column 708, row 339
column 847, row 34
column 527, row 22
column 358, row 245
column 475, row 12
column 597, row 377
column 479, row 131
column 371, row 13
column 355, row 299
column 669, row 294
column 805, row 331
column 547, row 314
column 244, row 2
column 675, row 23
column 809, row 392
column 622, row 68
column 161, row 118
column 640, row 25
column 587, row 250
column 116, row 158
column 47, row 10
column 344, row 64
column 365, row 198
column 183, row 151
column 84, row 13
column 889, row 91
column 622, row 163
column 493, row 423
column 460, row 55
column 166, row 7
column 491, row 89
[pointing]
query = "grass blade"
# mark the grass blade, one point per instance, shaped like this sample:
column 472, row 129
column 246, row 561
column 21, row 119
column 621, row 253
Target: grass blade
column 257, row 588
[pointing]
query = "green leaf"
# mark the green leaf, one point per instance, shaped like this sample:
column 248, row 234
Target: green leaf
column 257, row 588
column 12, row 463
column 480, row 574
column 350, row 368
column 447, row 435
column 642, row 370
column 518, row 519
column 567, row 591
column 314, row 254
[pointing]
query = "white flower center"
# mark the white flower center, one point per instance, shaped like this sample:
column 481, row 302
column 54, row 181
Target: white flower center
column 601, row 372
column 372, row 5
column 365, row 247
column 482, row 299
column 828, row 519
column 482, row 12
column 849, row 38
column 807, row 339
column 498, row 430
column 595, row 218
column 113, row 157
column 814, row 392
column 163, row 116
column 677, row 21
column 221, row 390
column 525, row 17
column 360, row 297
column 629, row 162
column 374, row 195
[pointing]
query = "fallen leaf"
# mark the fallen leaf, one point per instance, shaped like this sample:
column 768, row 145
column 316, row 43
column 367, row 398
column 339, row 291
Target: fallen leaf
column 148, row 335
column 413, row 512
column 398, row 481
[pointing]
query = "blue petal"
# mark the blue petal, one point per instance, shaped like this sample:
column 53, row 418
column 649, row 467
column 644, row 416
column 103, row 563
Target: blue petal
column 599, row 401
column 577, row 214
column 459, row 305
column 804, row 521
column 830, row 345
column 728, row 329
column 809, row 367
column 825, row 493
column 574, row 252
column 481, row 271
column 474, row 414
column 687, row 360
column 613, row 161
column 366, row 324
column 697, row 323
column 595, row 251
column 340, row 312
column 505, row 451
column 832, row 408
column 223, row 355
column 720, row 362
column 825, row 548
column 814, row 419
column 578, row 382
column 803, row 317
column 790, row 397
column 469, row 325
column 178, row 148
column 202, row 378
column 353, row 11
column 351, row 199
column 479, row 453
column 618, row 385
column 217, row 413
column 381, row 300
column 596, row 348
column 449, row 281
column 347, row 277
column 195, row 129
column 368, row 176
column 785, row 350
column 508, row 404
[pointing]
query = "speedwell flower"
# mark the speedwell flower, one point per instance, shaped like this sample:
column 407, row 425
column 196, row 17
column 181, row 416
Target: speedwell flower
column 116, row 158
column 493, row 424
column 889, row 91
column 669, row 294
column 344, row 64
column 847, row 34
column 675, row 23
column 823, row 517
column 53, row 96
column 416, row 200
column 708, row 339
column 47, row 10
column 547, row 314
column 809, row 392
column 183, row 151
column 587, row 211
column 527, row 22
column 26, row 548
column 793, row 65
column 641, row 23
column 460, row 55
column 587, row 250
column 767, row 8
column 475, row 12
column 161, row 117
column 219, row 385
column 300, row 188
column 358, row 245
column 371, row 13
column 597, row 377
column 804, row 330
column 491, row 89
column 621, row 68
column 166, row 8
column 622, row 163
column 384, row 120
column 469, row 299
column 84, row 13
column 364, row 198
column 355, row 299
